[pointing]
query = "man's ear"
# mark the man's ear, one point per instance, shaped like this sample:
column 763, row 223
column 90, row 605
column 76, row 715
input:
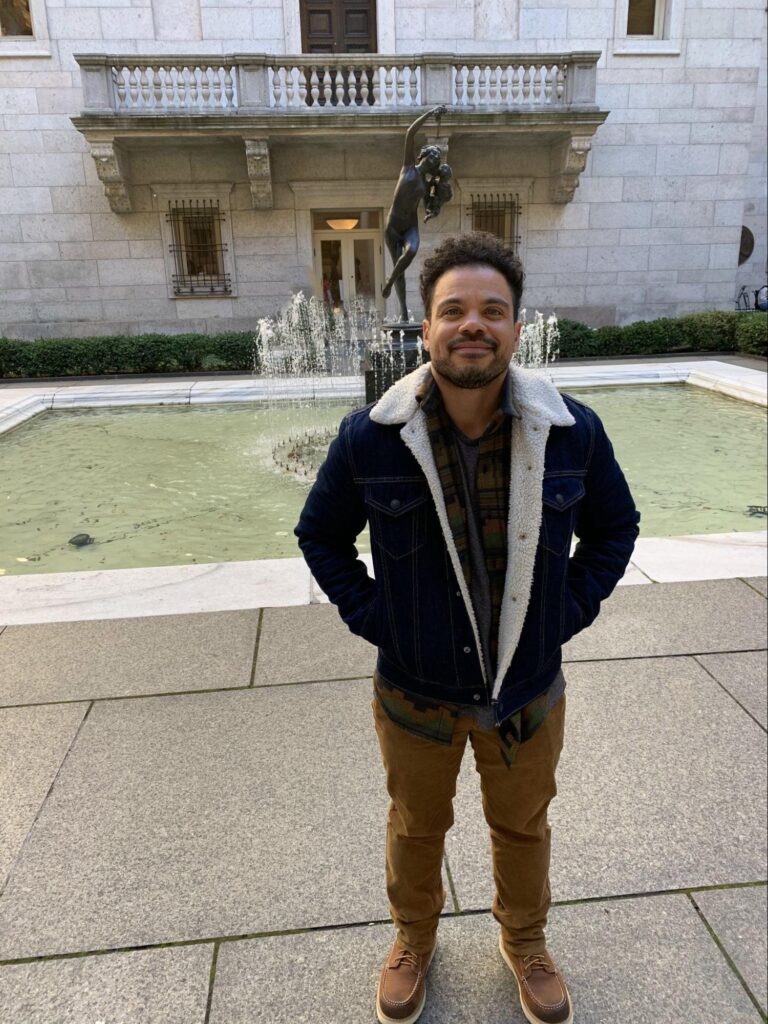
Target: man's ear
column 425, row 334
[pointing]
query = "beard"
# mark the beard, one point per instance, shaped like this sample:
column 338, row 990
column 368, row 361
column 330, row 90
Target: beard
column 471, row 377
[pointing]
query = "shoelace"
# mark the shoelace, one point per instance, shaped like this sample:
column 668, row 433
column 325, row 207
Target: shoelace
column 409, row 959
column 536, row 962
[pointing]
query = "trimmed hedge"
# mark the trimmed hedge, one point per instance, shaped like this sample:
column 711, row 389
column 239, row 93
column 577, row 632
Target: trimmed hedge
column 718, row 331
column 234, row 350
column 142, row 353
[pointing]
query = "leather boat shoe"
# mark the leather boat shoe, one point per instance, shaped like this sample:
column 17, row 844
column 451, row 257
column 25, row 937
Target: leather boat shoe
column 402, row 989
column 543, row 993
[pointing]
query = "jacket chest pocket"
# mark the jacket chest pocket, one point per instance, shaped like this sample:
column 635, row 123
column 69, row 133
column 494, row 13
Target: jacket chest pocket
column 397, row 516
column 560, row 496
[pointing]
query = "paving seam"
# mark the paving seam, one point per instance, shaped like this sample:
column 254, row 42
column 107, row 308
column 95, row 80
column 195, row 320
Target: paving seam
column 211, row 981
column 344, row 679
column 725, row 689
column 726, row 956
column 451, row 886
column 256, row 647
column 746, row 581
column 2, row 629
column 18, row 856
column 250, row 936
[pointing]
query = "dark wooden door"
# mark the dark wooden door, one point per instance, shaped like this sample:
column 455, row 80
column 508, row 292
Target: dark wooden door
column 338, row 26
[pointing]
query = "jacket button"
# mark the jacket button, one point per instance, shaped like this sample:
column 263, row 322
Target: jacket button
column 523, row 536
column 477, row 696
column 467, row 650
column 558, row 498
column 395, row 503
column 458, row 593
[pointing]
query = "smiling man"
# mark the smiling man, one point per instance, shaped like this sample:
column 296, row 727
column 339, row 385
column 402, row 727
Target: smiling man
column 473, row 475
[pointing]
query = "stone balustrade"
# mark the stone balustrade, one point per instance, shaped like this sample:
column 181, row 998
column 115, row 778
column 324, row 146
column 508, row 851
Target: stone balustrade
column 330, row 83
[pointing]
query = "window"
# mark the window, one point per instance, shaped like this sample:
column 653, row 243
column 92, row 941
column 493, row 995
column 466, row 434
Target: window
column 15, row 18
column 644, row 18
column 197, row 247
column 497, row 213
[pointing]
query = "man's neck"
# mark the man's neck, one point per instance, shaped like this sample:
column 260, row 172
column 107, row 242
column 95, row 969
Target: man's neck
column 471, row 409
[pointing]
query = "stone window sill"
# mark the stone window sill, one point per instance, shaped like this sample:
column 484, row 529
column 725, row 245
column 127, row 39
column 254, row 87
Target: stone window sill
column 647, row 48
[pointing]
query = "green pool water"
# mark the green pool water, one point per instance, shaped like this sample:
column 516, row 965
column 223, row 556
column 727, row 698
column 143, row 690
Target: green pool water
column 174, row 485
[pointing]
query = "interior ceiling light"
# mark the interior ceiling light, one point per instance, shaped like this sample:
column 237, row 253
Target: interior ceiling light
column 343, row 223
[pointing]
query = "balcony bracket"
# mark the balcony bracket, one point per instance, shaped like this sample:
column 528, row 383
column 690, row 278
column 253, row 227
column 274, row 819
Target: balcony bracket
column 569, row 159
column 106, row 156
column 259, row 173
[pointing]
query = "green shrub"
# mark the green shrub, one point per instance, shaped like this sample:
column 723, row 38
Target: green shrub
column 142, row 353
column 576, row 339
column 751, row 334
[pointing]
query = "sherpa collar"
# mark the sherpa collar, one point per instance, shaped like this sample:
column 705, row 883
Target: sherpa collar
column 534, row 396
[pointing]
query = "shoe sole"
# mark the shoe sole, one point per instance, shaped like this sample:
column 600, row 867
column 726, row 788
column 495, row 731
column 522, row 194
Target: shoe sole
column 384, row 1019
column 523, row 1007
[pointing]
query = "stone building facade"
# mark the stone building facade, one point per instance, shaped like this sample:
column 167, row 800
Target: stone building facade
column 169, row 166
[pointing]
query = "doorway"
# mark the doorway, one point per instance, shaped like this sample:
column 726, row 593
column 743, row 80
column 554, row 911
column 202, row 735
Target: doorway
column 348, row 257
column 338, row 26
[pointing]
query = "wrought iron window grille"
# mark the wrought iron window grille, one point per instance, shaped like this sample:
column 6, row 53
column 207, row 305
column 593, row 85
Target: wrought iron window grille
column 197, row 248
column 498, row 213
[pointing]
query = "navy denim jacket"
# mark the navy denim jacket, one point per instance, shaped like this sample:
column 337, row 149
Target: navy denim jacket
column 417, row 611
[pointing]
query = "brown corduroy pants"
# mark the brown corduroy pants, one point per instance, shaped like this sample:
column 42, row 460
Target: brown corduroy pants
column 421, row 781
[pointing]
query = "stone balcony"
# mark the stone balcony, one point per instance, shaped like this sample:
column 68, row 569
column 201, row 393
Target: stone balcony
column 543, row 99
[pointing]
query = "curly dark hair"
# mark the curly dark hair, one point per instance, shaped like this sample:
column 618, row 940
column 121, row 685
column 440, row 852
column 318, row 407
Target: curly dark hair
column 481, row 248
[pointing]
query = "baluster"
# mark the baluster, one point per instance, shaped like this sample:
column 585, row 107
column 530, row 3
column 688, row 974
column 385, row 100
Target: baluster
column 143, row 87
column 327, row 93
column 504, row 87
column 388, row 90
column 195, row 84
column 119, row 82
column 302, row 87
column 458, row 86
column 352, row 87
column 527, row 84
column 339, row 79
column 217, row 87
column 536, row 84
column 516, row 83
column 474, row 86
column 205, row 86
column 364, row 87
column 173, row 87
column 377, row 86
column 493, row 87
column 133, row 87
column 157, row 86
column 560, row 87
column 417, row 80
column 289, row 84
column 413, row 86
column 277, row 87
column 548, row 76
column 400, row 78
column 314, row 86
column 483, row 86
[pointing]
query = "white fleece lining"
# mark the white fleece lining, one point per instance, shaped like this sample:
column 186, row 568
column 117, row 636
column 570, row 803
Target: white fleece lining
column 540, row 407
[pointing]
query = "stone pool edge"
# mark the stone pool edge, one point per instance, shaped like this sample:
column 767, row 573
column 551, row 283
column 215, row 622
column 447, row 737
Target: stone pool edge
column 729, row 379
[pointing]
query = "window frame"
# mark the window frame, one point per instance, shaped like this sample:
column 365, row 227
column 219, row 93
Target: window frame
column 666, row 40
column 521, row 187
column 36, row 45
column 217, row 192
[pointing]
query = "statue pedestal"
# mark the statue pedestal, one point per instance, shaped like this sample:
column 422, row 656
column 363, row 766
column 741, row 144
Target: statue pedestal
column 382, row 369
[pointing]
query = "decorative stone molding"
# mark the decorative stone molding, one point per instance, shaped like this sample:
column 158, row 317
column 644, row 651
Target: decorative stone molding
column 259, row 173
column 106, row 156
column 569, row 160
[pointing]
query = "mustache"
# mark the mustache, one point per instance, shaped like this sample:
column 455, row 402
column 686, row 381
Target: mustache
column 455, row 342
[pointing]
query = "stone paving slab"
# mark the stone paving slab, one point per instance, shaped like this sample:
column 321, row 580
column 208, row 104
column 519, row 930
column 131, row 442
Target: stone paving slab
column 121, row 657
column 156, row 986
column 740, row 919
column 202, row 815
column 33, row 744
column 674, row 618
column 299, row 644
column 644, row 961
column 662, row 784
column 745, row 676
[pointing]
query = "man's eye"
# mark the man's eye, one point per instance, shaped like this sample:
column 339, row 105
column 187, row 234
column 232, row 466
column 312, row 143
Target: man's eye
column 494, row 311
column 452, row 311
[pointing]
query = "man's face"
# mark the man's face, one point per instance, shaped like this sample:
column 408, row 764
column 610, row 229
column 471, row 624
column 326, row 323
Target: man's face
column 471, row 335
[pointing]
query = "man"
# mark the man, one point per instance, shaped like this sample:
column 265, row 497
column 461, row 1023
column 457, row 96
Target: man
column 473, row 476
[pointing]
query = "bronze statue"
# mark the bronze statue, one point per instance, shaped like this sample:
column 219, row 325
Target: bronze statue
column 420, row 178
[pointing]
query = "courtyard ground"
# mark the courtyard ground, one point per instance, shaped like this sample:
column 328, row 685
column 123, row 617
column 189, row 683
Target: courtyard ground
column 192, row 822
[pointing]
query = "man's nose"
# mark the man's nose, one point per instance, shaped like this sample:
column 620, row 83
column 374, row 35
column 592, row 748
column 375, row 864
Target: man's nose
column 473, row 326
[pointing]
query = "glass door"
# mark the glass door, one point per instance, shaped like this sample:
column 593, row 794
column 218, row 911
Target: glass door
column 348, row 257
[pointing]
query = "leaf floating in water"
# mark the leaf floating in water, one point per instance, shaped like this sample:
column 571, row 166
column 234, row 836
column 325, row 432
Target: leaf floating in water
column 80, row 540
